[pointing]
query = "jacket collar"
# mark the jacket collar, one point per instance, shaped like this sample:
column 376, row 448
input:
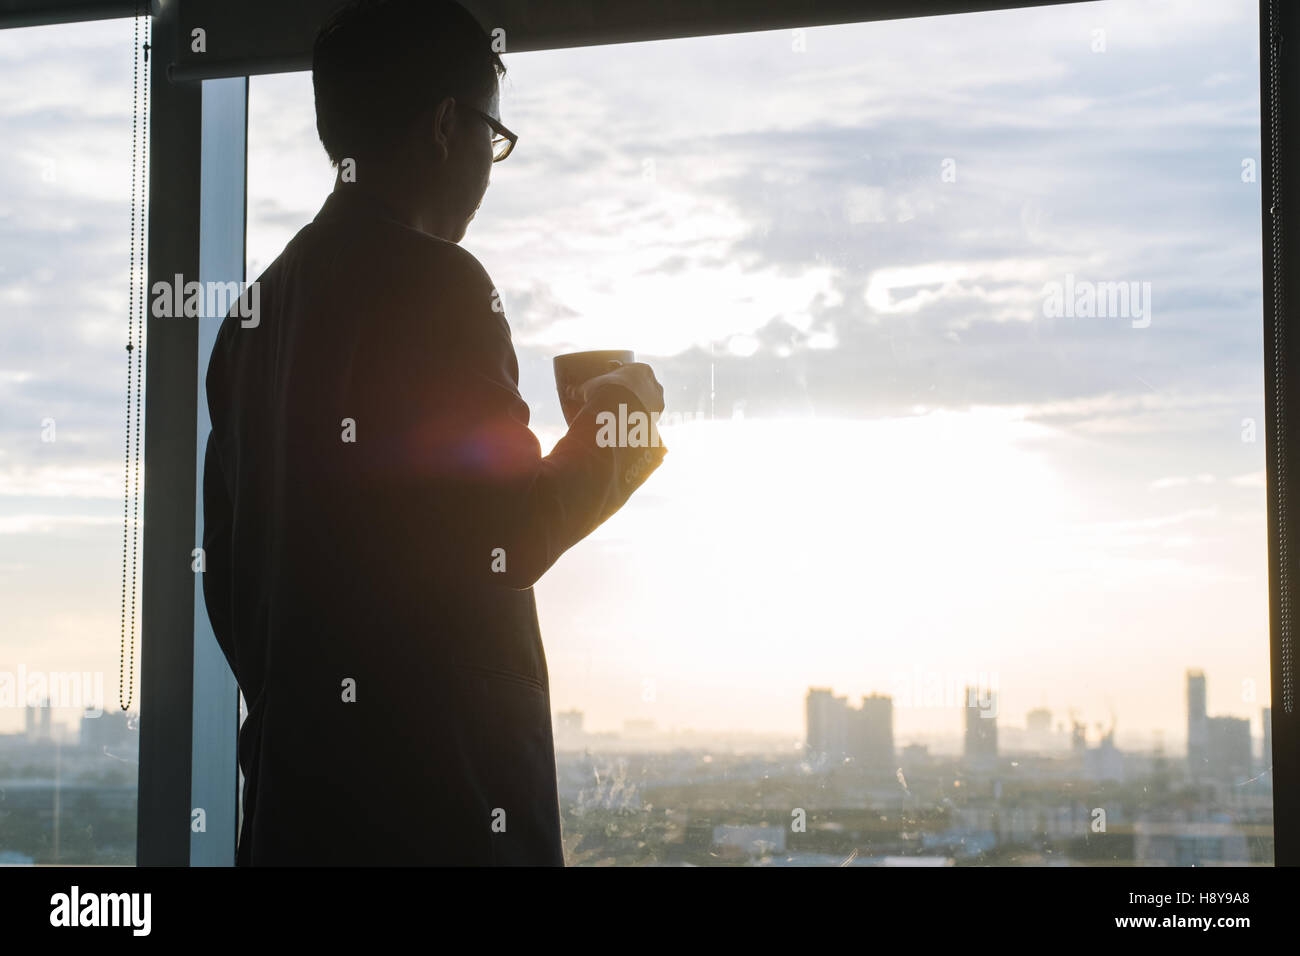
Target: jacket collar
column 347, row 200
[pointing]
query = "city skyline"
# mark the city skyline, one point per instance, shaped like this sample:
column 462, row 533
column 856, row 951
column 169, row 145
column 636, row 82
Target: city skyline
column 1063, row 720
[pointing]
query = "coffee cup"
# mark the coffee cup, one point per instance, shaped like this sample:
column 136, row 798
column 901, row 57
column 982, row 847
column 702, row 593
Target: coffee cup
column 574, row 369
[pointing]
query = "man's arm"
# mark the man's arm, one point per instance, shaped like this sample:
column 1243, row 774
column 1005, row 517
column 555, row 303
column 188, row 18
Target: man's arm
column 550, row 503
column 465, row 427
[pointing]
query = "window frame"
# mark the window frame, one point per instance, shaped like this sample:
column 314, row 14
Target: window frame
column 189, row 717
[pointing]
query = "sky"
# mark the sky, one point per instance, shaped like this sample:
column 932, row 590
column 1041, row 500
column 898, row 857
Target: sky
column 890, row 466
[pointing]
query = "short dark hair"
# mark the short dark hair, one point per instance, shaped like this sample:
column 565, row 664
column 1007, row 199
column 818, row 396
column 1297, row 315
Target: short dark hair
column 378, row 64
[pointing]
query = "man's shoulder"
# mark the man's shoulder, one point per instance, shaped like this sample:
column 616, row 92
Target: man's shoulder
column 349, row 266
column 448, row 278
column 390, row 241
column 392, row 268
column 451, row 268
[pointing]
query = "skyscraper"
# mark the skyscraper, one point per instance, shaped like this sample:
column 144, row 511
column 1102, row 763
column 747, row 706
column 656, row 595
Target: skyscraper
column 1198, row 727
column 1266, row 717
column 871, row 733
column 37, row 720
column 981, row 724
column 1229, row 749
column 837, row 731
column 110, row 732
column 827, row 723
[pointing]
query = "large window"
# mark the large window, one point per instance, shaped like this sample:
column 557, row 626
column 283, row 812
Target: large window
column 959, row 552
column 68, row 753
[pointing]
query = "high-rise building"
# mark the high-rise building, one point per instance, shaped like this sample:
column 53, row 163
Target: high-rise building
column 1198, row 727
column 837, row 731
column 1229, row 748
column 1039, row 722
column 1105, row 761
column 1217, row 747
column 981, row 724
column 827, row 723
column 37, row 721
column 110, row 732
column 871, row 733
column 1266, row 717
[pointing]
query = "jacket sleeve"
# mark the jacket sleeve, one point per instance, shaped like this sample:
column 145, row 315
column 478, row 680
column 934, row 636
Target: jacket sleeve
column 504, row 512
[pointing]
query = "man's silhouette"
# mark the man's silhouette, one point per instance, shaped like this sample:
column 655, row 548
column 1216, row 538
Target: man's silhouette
column 376, row 509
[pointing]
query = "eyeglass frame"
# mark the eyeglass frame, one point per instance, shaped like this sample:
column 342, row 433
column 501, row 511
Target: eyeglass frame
column 499, row 130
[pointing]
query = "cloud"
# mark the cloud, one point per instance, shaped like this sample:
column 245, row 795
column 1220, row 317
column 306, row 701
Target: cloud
column 48, row 524
column 1180, row 481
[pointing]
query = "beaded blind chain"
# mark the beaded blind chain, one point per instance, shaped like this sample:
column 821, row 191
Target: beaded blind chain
column 134, row 350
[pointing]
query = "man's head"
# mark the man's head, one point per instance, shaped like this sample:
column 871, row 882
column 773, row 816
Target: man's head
column 400, row 87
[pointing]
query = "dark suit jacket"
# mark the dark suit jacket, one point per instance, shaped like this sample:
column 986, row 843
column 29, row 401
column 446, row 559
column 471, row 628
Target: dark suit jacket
column 398, row 699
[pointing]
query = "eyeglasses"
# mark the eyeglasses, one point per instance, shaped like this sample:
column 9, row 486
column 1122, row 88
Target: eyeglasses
column 503, row 141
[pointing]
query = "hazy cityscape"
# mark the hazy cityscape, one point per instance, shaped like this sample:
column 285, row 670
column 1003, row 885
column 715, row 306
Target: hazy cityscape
column 870, row 404
column 1039, row 794
column 69, row 798
column 849, row 793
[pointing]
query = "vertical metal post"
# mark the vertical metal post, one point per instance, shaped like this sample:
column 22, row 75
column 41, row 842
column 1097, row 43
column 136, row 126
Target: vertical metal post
column 171, row 375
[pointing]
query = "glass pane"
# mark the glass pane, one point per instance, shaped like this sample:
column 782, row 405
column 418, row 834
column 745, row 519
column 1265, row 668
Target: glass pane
column 958, row 555
column 68, row 754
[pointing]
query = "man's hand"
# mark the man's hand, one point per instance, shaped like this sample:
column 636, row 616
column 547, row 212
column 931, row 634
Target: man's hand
column 636, row 376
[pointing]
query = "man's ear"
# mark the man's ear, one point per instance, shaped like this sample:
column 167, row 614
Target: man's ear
column 435, row 129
